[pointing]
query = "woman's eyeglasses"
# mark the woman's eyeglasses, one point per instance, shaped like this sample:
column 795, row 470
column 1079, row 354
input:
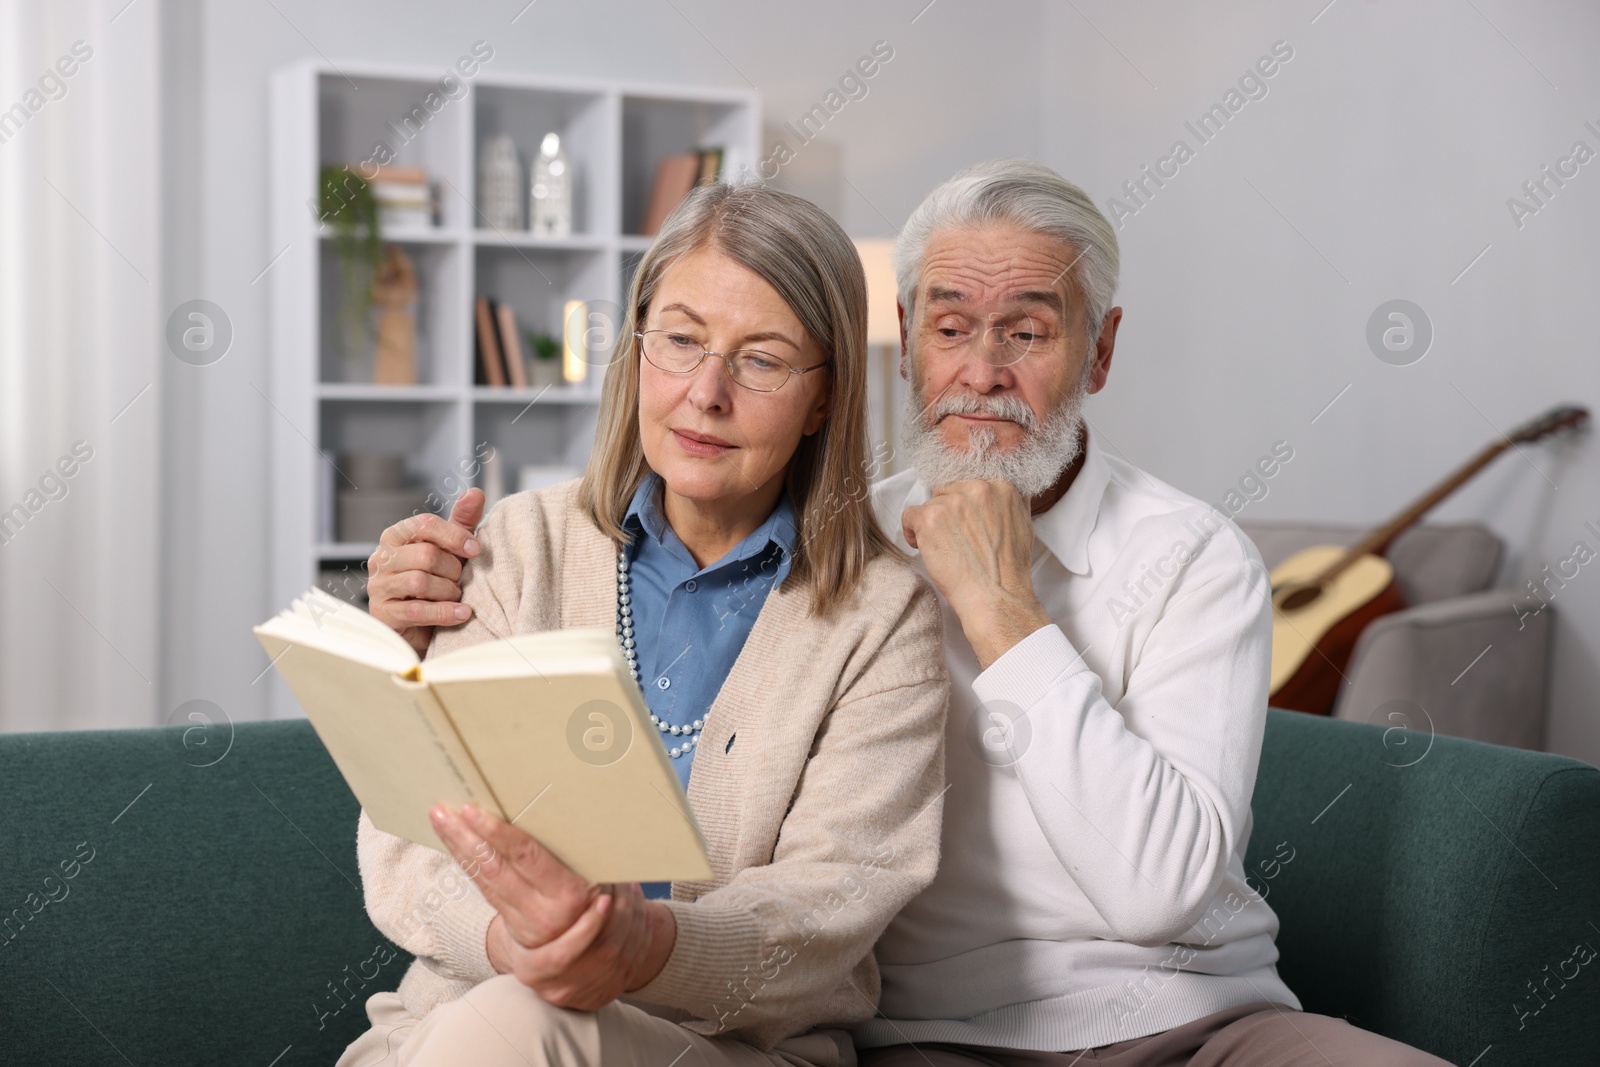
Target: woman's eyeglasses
column 678, row 353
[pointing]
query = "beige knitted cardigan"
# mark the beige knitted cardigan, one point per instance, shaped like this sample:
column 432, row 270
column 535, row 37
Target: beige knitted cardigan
column 818, row 784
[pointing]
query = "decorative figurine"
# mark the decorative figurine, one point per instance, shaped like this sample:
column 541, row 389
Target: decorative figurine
column 500, row 184
column 550, row 206
column 394, row 291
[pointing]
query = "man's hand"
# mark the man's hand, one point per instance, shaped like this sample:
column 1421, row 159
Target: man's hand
column 976, row 540
column 577, row 945
column 412, row 577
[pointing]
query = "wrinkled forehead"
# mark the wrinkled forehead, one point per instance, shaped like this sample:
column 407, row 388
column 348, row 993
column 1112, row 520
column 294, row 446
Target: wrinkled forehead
column 998, row 266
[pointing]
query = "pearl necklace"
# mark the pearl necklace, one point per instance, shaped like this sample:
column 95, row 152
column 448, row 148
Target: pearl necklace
column 691, row 732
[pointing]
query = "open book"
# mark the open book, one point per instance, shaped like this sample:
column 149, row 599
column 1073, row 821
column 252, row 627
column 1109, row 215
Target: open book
column 548, row 731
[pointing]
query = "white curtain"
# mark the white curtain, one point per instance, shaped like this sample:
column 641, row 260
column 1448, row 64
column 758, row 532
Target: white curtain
column 81, row 352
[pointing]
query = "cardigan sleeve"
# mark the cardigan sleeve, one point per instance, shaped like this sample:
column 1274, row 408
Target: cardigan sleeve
column 416, row 896
column 786, row 946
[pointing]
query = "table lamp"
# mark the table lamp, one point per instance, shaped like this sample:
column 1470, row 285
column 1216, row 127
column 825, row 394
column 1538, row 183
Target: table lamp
column 883, row 335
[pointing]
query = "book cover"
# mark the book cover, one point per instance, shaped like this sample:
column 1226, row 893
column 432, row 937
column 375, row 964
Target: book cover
column 511, row 345
column 675, row 176
column 488, row 343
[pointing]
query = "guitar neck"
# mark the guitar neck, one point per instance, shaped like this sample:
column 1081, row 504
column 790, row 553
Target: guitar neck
column 1378, row 541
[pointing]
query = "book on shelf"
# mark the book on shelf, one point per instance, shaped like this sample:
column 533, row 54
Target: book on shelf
column 403, row 196
column 511, row 345
column 490, row 365
column 397, row 175
column 548, row 731
column 675, row 176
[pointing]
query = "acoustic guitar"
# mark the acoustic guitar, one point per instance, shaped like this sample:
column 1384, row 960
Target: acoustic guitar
column 1324, row 596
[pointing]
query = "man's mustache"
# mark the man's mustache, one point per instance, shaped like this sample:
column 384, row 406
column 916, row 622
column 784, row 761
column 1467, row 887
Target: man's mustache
column 1001, row 407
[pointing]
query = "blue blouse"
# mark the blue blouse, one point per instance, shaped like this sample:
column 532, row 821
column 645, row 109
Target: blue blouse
column 691, row 622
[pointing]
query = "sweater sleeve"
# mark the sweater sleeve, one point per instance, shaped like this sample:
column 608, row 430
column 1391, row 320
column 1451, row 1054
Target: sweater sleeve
column 416, row 896
column 780, row 948
column 1146, row 801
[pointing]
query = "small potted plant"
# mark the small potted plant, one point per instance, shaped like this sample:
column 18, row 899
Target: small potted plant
column 546, row 362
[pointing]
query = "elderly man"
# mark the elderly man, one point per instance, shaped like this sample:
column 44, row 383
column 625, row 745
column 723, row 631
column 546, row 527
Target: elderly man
column 1108, row 640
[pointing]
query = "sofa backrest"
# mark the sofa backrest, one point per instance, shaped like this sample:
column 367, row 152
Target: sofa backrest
column 1431, row 562
column 1440, row 891
column 169, row 911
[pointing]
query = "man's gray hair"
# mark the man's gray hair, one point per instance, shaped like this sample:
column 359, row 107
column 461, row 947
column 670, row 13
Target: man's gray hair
column 1028, row 195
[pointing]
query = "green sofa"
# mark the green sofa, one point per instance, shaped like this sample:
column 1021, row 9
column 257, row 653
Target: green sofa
column 191, row 896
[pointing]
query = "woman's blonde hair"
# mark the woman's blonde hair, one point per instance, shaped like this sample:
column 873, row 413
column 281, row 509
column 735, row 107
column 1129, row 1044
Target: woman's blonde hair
column 802, row 253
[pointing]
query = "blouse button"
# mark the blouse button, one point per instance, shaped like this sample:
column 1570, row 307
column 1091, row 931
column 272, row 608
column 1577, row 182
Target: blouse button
column 690, row 585
column 663, row 682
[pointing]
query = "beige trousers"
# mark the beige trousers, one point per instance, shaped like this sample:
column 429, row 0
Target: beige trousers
column 1252, row 1035
column 503, row 1023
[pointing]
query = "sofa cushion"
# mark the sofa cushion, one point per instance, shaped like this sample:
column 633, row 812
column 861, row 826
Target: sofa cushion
column 1431, row 562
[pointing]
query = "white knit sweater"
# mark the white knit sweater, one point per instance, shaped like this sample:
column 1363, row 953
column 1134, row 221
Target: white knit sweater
column 1092, row 886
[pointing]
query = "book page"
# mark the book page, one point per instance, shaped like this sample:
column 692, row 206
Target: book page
column 388, row 736
column 331, row 624
column 528, row 654
column 564, row 740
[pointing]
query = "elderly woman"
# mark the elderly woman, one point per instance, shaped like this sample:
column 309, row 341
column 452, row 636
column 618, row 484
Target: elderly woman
column 788, row 654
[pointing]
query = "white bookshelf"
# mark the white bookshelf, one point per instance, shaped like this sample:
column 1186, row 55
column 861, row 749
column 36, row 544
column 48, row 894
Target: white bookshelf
column 614, row 134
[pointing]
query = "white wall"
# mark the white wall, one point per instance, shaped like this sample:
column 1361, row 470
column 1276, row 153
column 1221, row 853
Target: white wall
column 1390, row 141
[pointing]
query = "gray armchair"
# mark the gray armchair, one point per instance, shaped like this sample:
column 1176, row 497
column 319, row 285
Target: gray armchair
column 1429, row 653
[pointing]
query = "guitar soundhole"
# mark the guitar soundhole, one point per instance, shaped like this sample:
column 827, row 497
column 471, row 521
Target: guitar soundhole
column 1299, row 598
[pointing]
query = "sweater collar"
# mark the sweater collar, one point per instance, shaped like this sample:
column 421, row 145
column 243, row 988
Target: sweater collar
column 588, row 559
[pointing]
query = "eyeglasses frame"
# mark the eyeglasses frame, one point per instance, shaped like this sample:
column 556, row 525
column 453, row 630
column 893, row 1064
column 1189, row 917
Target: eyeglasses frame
column 727, row 361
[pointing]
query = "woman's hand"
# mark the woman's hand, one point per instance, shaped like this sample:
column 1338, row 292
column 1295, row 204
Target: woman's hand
column 577, row 945
column 412, row 576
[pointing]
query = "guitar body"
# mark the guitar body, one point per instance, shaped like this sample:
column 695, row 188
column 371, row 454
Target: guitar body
column 1323, row 597
column 1312, row 643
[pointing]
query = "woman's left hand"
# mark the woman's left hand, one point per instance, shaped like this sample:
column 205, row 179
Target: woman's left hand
column 574, row 955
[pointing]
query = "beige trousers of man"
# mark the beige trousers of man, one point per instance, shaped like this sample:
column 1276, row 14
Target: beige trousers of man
column 503, row 1023
column 1252, row 1035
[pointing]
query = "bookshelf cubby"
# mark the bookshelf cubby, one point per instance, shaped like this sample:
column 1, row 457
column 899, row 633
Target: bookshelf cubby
column 324, row 401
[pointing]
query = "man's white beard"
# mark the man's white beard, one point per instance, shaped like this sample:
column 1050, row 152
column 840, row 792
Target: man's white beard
column 1032, row 466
